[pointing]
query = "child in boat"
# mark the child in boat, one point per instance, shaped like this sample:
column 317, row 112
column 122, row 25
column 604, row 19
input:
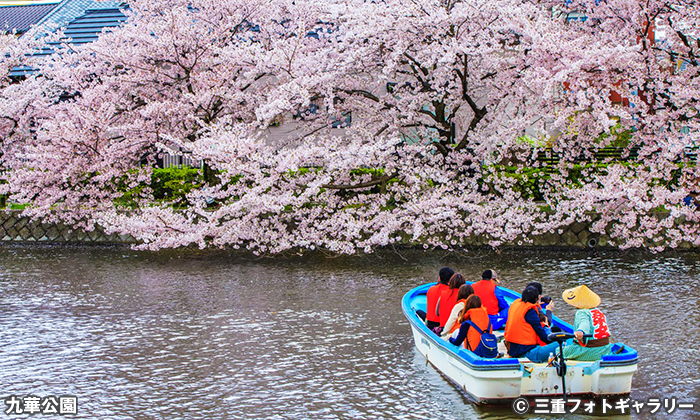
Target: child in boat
column 452, row 324
column 474, row 312
column 588, row 320
column 544, row 320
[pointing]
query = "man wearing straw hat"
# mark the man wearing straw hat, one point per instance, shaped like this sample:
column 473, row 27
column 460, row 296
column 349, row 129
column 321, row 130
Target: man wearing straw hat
column 588, row 320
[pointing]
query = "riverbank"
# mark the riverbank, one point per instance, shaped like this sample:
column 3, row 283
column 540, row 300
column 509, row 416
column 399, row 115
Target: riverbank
column 15, row 228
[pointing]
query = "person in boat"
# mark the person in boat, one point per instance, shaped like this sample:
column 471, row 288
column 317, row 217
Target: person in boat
column 492, row 299
column 539, row 288
column 544, row 307
column 525, row 336
column 588, row 320
column 448, row 298
column 453, row 322
column 476, row 313
column 546, row 325
column 432, row 317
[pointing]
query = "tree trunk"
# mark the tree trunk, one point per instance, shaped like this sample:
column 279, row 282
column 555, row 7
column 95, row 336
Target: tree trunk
column 210, row 175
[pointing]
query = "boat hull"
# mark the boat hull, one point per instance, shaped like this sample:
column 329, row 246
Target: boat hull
column 493, row 381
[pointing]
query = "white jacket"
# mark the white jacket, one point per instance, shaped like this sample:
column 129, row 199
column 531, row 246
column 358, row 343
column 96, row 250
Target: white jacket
column 452, row 319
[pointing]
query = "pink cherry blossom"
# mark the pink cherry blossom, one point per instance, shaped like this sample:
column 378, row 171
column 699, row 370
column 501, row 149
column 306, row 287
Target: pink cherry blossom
column 443, row 96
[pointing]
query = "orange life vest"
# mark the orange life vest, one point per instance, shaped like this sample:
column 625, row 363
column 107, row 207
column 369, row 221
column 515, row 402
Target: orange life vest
column 518, row 330
column 456, row 325
column 480, row 317
column 432, row 296
column 448, row 299
column 486, row 290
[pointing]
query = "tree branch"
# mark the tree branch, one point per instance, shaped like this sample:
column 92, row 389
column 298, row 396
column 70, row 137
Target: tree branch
column 372, row 183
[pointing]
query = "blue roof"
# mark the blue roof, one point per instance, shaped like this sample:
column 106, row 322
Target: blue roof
column 87, row 28
column 21, row 18
column 82, row 30
column 69, row 10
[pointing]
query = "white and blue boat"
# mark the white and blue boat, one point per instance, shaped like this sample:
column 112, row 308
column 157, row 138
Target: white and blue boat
column 495, row 381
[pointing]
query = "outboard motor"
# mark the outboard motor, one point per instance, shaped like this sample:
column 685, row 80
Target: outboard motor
column 559, row 361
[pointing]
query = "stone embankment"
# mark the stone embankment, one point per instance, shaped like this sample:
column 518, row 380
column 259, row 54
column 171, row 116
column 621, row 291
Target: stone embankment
column 17, row 229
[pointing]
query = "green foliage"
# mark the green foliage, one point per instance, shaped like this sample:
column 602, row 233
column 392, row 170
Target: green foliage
column 16, row 206
column 675, row 180
column 527, row 182
column 298, row 172
column 129, row 195
column 530, row 182
column 622, row 136
column 174, row 183
column 3, row 197
column 8, row 205
column 391, row 204
column 372, row 171
column 169, row 185
column 303, row 171
column 538, row 142
column 354, row 206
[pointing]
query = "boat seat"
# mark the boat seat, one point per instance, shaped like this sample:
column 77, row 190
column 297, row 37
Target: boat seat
column 501, row 343
column 569, row 363
column 502, row 348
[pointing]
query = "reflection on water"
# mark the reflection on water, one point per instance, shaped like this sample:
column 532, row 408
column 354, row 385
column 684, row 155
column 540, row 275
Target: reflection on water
column 176, row 335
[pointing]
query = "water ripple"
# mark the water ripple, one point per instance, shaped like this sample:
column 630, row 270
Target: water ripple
column 157, row 336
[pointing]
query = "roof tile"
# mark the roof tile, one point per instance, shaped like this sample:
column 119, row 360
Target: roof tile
column 21, row 18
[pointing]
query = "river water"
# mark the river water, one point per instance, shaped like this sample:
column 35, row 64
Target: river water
column 217, row 335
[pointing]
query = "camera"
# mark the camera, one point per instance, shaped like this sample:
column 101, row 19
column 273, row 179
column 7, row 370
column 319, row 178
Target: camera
column 545, row 300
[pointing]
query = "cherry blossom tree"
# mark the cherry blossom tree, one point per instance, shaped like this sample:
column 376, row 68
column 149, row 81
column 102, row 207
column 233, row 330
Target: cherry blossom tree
column 451, row 103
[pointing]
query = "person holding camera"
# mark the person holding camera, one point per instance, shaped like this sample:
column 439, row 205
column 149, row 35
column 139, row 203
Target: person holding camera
column 546, row 305
column 525, row 335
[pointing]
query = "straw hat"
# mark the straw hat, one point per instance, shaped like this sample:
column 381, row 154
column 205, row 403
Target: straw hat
column 581, row 297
